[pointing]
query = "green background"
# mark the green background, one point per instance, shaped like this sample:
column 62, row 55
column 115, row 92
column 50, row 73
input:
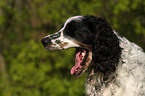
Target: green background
column 27, row 69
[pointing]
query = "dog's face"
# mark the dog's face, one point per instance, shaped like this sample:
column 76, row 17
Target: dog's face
column 95, row 42
column 72, row 34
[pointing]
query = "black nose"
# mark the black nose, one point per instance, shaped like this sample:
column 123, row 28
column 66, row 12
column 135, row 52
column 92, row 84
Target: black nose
column 46, row 41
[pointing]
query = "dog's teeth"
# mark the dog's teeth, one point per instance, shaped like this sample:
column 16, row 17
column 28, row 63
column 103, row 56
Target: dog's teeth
column 83, row 54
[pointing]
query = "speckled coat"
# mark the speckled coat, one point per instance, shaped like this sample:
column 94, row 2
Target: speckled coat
column 127, row 80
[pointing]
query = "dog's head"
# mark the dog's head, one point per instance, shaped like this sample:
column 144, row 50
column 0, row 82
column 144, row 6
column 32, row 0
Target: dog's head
column 93, row 39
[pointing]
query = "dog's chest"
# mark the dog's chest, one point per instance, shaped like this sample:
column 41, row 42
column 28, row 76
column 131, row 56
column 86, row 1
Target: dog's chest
column 95, row 87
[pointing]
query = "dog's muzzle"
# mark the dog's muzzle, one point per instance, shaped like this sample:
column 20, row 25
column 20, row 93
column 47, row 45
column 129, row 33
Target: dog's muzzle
column 58, row 41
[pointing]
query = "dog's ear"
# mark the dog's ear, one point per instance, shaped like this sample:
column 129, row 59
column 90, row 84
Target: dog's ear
column 105, row 45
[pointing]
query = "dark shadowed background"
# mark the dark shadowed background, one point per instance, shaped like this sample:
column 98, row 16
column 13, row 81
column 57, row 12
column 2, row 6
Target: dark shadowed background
column 27, row 69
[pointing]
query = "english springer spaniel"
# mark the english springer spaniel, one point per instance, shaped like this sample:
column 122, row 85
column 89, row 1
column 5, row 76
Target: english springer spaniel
column 115, row 66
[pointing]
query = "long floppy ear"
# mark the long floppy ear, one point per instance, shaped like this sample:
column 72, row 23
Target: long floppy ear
column 105, row 44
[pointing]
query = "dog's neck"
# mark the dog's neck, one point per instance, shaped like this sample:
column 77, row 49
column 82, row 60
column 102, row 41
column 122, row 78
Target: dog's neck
column 99, row 78
column 98, row 82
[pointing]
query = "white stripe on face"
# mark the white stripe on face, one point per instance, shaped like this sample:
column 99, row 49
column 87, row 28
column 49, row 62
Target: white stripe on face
column 69, row 20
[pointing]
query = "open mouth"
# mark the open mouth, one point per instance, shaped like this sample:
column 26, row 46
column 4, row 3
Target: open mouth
column 81, row 59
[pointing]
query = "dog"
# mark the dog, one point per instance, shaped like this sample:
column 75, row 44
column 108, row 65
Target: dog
column 115, row 66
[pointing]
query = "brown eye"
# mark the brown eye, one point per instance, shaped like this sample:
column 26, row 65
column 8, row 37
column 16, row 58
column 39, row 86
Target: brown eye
column 67, row 26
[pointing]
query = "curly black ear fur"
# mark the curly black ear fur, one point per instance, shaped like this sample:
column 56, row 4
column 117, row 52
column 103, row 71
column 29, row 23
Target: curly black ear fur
column 105, row 45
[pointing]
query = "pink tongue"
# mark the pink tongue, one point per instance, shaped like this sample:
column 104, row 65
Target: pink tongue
column 77, row 62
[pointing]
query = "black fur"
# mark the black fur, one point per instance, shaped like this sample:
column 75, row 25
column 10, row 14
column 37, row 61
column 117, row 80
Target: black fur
column 97, row 33
column 78, row 31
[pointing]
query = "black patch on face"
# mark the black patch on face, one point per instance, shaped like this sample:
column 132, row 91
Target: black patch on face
column 76, row 29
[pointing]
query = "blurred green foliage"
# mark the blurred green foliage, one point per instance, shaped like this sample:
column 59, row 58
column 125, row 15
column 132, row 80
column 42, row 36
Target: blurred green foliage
column 27, row 69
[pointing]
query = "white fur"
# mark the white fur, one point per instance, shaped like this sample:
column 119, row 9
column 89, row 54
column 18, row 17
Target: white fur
column 129, row 77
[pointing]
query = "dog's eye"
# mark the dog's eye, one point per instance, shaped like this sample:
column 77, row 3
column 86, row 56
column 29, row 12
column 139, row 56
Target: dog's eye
column 67, row 26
